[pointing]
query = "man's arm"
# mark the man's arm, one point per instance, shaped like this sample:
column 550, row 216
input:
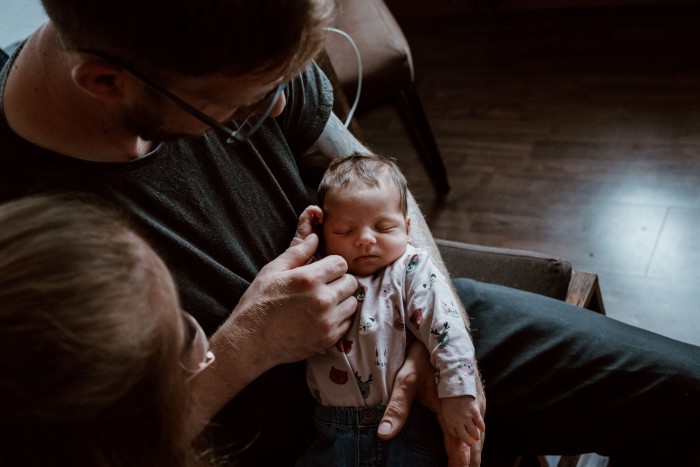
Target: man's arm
column 292, row 310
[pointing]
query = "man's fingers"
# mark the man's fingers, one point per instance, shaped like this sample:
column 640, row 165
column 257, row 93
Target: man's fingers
column 331, row 268
column 394, row 418
column 327, row 269
column 475, row 453
column 458, row 453
column 397, row 410
column 295, row 256
column 399, row 406
column 346, row 311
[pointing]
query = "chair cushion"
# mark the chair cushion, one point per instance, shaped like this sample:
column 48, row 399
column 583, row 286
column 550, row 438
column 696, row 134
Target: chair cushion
column 524, row 270
column 387, row 64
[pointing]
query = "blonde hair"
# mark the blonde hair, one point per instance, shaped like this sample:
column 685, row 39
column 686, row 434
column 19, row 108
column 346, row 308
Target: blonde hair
column 369, row 169
column 91, row 343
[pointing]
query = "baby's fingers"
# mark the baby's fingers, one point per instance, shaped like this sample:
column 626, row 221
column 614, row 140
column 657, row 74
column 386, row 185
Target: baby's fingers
column 479, row 422
column 463, row 433
column 473, row 432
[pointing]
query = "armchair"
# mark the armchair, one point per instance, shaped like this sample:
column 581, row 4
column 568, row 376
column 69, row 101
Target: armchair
column 524, row 270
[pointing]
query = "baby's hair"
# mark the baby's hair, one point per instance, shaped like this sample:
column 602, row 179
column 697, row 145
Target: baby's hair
column 91, row 340
column 370, row 169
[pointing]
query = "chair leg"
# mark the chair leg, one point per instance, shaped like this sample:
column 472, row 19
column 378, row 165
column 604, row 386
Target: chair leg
column 413, row 115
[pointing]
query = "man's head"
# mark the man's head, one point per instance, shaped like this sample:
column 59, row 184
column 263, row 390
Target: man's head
column 220, row 57
column 197, row 38
column 364, row 202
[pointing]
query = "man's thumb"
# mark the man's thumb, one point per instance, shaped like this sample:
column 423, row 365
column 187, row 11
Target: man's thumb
column 295, row 256
column 394, row 419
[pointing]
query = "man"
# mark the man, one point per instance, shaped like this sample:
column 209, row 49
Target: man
column 130, row 101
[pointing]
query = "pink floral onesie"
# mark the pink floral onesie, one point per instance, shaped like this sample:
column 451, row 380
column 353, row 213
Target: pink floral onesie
column 408, row 295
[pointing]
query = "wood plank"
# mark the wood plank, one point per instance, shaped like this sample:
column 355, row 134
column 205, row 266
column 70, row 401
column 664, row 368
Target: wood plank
column 584, row 291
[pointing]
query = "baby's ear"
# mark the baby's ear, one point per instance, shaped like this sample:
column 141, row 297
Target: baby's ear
column 408, row 229
column 318, row 219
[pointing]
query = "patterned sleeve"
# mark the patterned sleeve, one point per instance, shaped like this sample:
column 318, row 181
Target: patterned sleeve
column 433, row 315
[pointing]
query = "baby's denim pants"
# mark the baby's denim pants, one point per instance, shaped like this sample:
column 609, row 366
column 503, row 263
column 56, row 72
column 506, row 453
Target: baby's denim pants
column 347, row 437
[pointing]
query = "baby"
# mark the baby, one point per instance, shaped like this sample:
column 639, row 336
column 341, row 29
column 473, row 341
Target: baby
column 364, row 220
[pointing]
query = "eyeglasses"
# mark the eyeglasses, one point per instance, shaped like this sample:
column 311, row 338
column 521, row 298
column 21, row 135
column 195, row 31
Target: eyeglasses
column 196, row 355
column 244, row 130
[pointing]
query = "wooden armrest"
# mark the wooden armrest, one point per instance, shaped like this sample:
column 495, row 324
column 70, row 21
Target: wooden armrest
column 584, row 291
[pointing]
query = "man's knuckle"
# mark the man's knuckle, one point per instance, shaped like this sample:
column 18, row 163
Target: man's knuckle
column 396, row 407
column 406, row 379
column 305, row 282
column 322, row 302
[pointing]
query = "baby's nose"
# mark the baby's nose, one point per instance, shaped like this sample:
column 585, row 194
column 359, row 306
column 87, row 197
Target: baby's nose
column 366, row 237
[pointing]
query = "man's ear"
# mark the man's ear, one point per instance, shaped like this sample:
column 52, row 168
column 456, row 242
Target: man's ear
column 100, row 79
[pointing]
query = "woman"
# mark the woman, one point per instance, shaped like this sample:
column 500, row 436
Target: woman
column 96, row 350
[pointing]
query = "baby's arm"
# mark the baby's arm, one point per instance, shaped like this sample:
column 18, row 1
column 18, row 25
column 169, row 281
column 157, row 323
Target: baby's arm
column 308, row 220
column 462, row 418
column 434, row 317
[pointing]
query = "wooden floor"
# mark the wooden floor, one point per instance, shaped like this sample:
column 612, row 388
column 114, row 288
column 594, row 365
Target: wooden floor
column 571, row 132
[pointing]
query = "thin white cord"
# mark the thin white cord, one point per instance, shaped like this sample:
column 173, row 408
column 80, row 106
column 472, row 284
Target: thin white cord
column 359, row 73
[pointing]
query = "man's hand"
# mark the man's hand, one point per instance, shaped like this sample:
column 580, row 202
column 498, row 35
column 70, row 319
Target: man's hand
column 416, row 379
column 293, row 310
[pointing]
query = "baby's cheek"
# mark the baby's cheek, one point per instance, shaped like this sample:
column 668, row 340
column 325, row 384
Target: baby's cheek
column 334, row 245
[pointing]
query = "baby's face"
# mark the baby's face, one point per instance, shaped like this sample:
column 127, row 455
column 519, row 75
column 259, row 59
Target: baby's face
column 365, row 226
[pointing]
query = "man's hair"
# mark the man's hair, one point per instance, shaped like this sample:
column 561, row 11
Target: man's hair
column 90, row 359
column 371, row 170
column 195, row 37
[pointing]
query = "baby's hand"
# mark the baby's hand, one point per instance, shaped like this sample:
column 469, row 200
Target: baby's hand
column 462, row 418
column 308, row 220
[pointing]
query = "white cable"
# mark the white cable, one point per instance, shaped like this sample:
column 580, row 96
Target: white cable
column 359, row 73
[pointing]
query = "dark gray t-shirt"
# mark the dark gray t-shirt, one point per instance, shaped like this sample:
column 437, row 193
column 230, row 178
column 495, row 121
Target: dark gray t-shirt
column 216, row 213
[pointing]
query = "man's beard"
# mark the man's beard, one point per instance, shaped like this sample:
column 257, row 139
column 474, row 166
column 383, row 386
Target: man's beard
column 145, row 121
